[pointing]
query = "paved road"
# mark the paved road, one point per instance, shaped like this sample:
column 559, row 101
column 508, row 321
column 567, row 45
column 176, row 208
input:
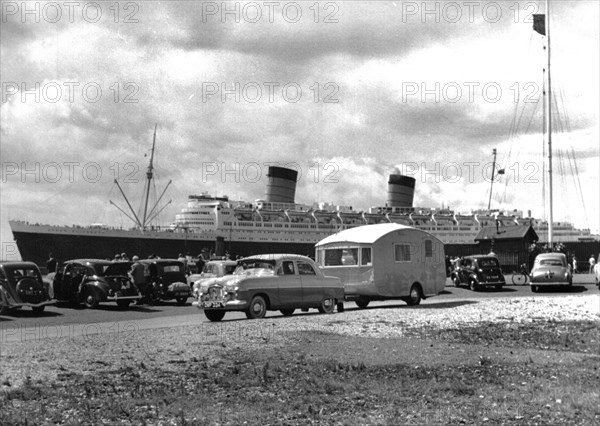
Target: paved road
column 63, row 320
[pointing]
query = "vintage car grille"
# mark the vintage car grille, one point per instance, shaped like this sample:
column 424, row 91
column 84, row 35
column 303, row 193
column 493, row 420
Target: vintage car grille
column 215, row 293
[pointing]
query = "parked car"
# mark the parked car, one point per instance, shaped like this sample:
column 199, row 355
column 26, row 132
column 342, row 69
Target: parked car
column 281, row 282
column 21, row 285
column 550, row 269
column 93, row 281
column 167, row 280
column 478, row 271
column 212, row 269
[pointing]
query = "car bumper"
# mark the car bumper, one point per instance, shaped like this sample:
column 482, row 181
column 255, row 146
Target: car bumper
column 230, row 305
column 550, row 283
column 117, row 298
column 491, row 283
column 30, row 305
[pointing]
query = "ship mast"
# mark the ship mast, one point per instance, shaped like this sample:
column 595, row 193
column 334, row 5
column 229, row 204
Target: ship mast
column 549, row 127
column 149, row 175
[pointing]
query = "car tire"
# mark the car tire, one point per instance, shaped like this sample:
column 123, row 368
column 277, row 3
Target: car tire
column 535, row 288
column 181, row 300
column 456, row 282
column 327, row 305
column 214, row 315
column 91, row 299
column 362, row 303
column 257, row 308
column 473, row 285
column 123, row 304
column 414, row 297
column 287, row 312
column 38, row 309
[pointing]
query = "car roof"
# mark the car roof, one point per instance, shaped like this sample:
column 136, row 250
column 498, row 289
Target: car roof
column 17, row 264
column 277, row 256
column 160, row 261
column 549, row 255
column 222, row 262
column 94, row 261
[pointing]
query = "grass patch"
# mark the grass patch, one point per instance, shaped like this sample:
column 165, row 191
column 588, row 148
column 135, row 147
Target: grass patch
column 284, row 386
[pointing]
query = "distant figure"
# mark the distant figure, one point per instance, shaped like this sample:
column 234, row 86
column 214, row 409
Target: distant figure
column 592, row 263
column 575, row 265
column 182, row 259
column 117, row 258
column 51, row 263
column 124, row 257
column 137, row 275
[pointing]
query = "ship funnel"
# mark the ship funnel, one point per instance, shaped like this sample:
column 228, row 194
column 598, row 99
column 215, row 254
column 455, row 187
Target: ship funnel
column 401, row 190
column 281, row 187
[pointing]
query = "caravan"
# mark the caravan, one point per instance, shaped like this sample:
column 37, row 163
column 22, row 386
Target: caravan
column 384, row 261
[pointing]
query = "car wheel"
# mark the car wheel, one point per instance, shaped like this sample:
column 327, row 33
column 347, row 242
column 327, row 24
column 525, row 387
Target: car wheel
column 123, row 304
column 535, row 288
column 258, row 308
column 415, row 295
column 181, row 300
column 287, row 312
column 362, row 303
column 456, row 282
column 38, row 309
column 91, row 299
column 214, row 315
column 327, row 305
column 473, row 285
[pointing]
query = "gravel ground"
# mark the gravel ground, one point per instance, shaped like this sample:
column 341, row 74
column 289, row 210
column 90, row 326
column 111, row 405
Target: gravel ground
column 206, row 343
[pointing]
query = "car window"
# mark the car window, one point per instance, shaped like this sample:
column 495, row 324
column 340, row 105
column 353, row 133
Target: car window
column 288, row 267
column 551, row 262
column 305, row 269
column 229, row 269
column 487, row 263
column 365, row 254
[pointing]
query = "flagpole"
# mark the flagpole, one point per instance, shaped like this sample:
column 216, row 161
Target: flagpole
column 549, row 128
column 492, row 186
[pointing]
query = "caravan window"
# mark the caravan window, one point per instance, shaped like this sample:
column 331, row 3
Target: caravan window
column 428, row 248
column 402, row 252
column 365, row 256
column 341, row 257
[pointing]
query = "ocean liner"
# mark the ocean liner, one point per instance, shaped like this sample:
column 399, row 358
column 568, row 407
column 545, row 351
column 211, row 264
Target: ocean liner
column 270, row 225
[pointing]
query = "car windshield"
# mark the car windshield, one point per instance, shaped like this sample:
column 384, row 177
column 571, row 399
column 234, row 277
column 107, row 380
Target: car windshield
column 255, row 268
column 551, row 262
column 488, row 263
column 230, row 269
column 174, row 268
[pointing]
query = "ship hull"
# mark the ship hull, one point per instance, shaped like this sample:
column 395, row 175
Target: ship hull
column 35, row 246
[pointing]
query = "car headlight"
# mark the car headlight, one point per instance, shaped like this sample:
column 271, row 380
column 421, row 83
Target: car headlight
column 232, row 287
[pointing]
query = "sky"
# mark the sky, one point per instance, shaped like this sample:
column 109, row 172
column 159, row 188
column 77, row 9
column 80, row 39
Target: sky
column 346, row 92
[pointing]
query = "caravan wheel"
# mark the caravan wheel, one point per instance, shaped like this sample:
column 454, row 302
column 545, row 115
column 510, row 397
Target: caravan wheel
column 415, row 295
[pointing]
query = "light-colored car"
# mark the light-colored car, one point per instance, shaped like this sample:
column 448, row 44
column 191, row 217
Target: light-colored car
column 283, row 282
column 550, row 269
column 212, row 269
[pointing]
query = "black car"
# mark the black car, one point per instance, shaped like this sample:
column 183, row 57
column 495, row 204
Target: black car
column 21, row 285
column 167, row 280
column 93, row 281
column 478, row 271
